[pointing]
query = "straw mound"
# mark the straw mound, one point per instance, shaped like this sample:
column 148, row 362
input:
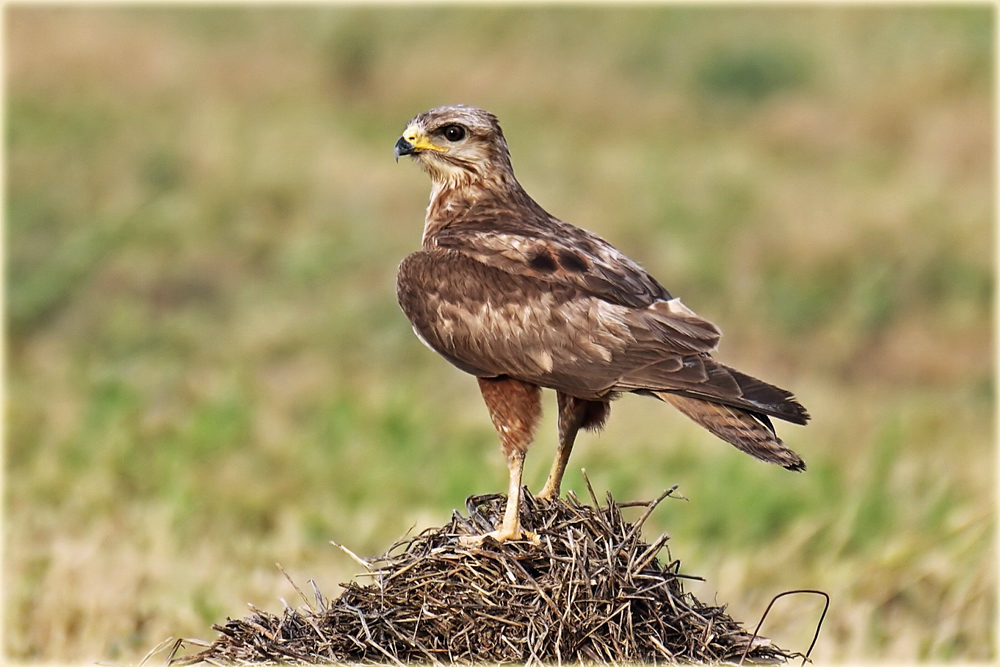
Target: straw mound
column 593, row 591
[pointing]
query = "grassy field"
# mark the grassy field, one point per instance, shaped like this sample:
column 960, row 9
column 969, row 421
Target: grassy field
column 207, row 372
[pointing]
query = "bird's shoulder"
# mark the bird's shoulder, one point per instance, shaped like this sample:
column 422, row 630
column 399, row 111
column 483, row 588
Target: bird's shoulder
column 536, row 245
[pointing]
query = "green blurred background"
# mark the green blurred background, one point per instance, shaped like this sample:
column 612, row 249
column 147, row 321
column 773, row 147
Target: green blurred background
column 207, row 372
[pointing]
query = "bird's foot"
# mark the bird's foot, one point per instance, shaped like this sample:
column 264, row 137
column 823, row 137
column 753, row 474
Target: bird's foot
column 500, row 535
column 548, row 493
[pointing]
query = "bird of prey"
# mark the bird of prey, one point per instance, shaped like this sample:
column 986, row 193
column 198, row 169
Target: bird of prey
column 522, row 300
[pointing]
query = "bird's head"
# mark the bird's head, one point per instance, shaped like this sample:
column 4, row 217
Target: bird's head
column 457, row 145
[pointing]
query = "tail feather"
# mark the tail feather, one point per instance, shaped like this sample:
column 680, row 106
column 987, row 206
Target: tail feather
column 701, row 377
column 748, row 431
column 772, row 400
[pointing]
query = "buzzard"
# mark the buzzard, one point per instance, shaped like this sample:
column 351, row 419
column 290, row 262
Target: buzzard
column 522, row 300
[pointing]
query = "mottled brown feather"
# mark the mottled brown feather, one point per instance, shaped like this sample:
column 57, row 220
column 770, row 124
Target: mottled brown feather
column 741, row 428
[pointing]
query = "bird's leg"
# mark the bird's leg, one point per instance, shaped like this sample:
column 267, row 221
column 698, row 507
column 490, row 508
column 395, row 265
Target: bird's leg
column 515, row 408
column 574, row 414
column 571, row 412
column 510, row 529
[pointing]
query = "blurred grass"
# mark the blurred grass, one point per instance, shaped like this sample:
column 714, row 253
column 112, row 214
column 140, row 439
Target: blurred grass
column 207, row 371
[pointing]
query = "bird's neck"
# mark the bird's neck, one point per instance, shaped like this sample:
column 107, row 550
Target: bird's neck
column 451, row 204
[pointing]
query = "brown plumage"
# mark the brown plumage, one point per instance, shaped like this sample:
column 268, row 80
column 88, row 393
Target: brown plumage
column 522, row 300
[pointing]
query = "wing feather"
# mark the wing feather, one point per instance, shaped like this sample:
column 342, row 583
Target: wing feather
column 489, row 322
column 536, row 244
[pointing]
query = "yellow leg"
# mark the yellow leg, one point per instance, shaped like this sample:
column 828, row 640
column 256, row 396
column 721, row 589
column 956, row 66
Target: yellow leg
column 510, row 529
column 554, row 481
column 514, row 407
column 574, row 414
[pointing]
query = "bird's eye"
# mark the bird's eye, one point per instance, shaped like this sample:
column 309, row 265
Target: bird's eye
column 453, row 132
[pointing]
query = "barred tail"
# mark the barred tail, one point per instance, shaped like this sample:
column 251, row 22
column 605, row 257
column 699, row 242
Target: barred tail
column 748, row 431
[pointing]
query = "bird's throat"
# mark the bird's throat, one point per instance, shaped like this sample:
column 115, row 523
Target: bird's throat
column 448, row 205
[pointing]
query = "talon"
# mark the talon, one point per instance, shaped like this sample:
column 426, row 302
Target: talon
column 471, row 540
column 548, row 494
column 531, row 537
column 500, row 537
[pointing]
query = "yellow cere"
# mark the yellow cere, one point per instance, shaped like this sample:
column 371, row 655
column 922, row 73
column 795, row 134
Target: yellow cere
column 420, row 141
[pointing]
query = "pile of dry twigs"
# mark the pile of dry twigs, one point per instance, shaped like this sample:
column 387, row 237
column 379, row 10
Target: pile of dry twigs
column 593, row 590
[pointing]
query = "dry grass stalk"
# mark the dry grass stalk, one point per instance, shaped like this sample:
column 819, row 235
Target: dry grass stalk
column 593, row 591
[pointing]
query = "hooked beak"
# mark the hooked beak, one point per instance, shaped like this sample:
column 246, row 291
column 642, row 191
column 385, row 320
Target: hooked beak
column 415, row 140
column 403, row 147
